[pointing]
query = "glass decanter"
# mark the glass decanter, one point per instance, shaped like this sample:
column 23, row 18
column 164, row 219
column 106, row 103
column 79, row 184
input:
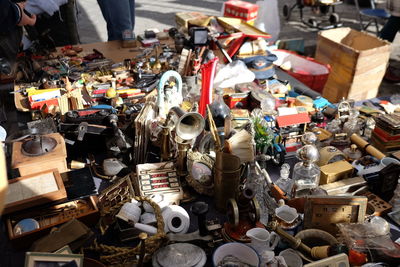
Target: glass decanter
column 334, row 126
column 257, row 183
column 395, row 201
column 352, row 153
column 306, row 173
column 352, row 125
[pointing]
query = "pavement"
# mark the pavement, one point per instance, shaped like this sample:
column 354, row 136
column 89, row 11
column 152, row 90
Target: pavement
column 160, row 14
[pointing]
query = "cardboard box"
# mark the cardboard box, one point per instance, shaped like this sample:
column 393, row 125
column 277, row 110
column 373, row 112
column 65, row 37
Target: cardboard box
column 182, row 19
column 335, row 171
column 358, row 61
column 241, row 10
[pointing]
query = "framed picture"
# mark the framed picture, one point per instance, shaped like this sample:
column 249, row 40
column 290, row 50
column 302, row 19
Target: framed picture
column 325, row 212
column 34, row 189
column 40, row 259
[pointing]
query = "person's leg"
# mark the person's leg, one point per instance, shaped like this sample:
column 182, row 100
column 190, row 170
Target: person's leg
column 132, row 9
column 388, row 32
column 122, row 21
column 390, row 29
column 105, row 10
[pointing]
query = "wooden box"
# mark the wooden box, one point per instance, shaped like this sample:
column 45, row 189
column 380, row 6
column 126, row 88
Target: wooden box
column 85, row 210
column 325, row 212
column 335, row 171
column 33, row 190
column 358, row 62
column 3, row 179
column 55, row 159
column 182, row 19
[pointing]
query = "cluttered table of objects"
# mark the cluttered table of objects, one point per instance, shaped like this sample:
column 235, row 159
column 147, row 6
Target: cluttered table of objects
column 202, row 145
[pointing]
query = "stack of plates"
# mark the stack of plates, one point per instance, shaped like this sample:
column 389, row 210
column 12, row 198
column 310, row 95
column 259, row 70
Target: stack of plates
column 179, row 255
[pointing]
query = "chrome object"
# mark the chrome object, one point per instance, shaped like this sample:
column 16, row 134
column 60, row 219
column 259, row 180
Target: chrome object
column 189, row 124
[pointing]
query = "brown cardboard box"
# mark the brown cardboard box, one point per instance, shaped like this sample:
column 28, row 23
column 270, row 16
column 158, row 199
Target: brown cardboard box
column 182, row 19
column 358, row 62
column 335, row 171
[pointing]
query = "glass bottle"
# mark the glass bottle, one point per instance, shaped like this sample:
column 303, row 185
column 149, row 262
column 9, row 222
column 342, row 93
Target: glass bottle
column 395, row 201
column 334, row 126
column 306, row 173
column 352, row 125
column 219, row 109
column 257, row 183
column 284, row 182
column 352, row 153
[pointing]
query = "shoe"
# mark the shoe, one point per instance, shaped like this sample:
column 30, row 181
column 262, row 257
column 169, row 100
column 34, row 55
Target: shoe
column 392, row 75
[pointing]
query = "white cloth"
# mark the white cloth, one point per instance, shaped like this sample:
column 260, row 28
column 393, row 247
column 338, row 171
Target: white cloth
column 40, row 6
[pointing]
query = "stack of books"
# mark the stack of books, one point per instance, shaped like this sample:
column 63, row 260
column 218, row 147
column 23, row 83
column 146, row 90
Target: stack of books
column 386, row 135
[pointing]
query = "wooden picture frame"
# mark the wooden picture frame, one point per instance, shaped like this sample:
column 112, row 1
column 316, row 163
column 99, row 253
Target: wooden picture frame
column 40, row 259
column 64, row 250
column 325, row 212
column 33, row 190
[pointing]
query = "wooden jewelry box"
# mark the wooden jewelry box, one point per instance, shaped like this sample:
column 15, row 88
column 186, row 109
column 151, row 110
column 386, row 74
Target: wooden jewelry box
column 46, row 218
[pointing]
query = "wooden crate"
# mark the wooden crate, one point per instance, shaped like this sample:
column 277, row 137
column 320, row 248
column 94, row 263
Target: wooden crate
column 358, row 62
column 49, row 217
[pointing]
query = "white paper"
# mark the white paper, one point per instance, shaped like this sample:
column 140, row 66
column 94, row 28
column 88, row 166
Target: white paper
column 31, row 187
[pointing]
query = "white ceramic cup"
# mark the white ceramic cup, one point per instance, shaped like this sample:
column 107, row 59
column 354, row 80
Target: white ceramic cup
column 129, row 212
column 286, row 213
column 291, row 257
column 245, row 253
column 387, row 160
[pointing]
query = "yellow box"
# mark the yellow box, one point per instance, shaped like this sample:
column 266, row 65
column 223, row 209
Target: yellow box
column 335, row 171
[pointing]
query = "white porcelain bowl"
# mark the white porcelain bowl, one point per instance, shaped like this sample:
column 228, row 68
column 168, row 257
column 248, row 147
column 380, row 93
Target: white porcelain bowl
column 244, row 253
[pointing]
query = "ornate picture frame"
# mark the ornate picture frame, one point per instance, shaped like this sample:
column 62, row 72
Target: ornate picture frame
column 200, row 175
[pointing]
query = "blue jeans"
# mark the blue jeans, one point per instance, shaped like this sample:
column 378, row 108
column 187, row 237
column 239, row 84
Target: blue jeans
column 389, row 31
column 120, row 17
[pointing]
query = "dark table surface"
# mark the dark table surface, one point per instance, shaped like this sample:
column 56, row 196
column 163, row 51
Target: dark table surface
column 16, row 120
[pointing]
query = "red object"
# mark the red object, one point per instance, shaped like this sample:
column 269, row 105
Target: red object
column 241, row 10
column 87, row 112
column 386, row 137
column 288, row 120
column 357, row 258
column 50, row 102
column 207, row 76
column 303, row 74
column 233, row 100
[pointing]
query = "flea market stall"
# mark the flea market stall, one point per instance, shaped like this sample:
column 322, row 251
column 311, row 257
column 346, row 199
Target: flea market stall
column 202, row 145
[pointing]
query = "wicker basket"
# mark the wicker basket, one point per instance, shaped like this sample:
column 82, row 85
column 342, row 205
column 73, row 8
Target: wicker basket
column 126, row 256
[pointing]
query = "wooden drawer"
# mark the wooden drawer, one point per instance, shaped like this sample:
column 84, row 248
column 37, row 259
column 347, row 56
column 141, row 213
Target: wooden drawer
column 85, row 210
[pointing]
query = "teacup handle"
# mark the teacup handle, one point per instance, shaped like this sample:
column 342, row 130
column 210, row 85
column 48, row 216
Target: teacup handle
column 273, row 240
